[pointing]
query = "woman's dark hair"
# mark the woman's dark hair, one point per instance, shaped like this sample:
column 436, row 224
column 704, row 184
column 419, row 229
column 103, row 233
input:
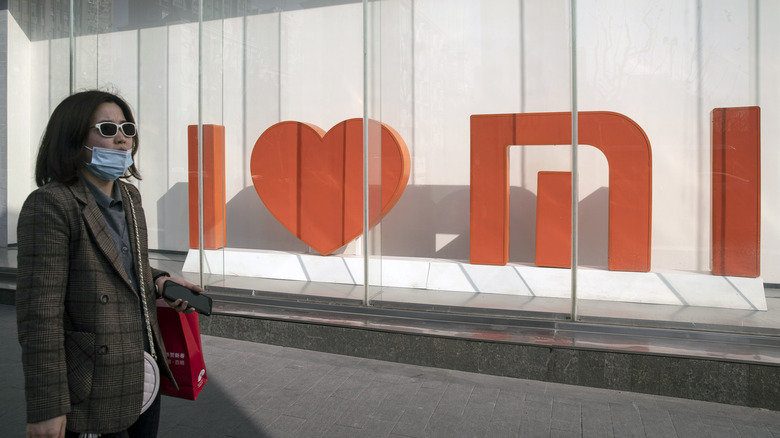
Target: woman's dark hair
column 62, row 151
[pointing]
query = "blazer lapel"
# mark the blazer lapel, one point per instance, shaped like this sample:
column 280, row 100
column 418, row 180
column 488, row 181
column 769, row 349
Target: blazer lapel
column 98, row 228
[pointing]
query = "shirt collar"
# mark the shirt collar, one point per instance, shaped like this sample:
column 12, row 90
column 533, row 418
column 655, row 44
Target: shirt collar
column 101, row 198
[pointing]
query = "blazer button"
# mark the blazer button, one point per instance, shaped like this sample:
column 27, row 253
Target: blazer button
column 104, row 299
column 102, row 350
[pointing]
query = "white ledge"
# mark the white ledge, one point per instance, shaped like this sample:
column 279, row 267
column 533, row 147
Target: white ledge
column 673, row 288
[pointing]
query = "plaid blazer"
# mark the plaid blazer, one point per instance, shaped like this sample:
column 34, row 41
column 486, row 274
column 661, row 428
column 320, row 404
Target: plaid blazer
column 80, row 321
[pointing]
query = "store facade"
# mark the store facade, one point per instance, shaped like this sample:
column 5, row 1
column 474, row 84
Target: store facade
column 425, row 152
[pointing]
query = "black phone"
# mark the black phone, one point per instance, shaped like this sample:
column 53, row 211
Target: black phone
column 174, row 291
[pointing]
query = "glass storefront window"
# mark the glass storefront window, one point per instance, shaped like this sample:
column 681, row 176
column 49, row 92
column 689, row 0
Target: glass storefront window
column 689, row 76
column 456, row 78
column 462, row 110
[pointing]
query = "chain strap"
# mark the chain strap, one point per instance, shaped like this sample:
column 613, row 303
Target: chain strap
column 141, row 273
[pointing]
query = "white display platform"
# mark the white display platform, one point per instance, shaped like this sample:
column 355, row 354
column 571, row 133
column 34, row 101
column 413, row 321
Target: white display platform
column 673, row 288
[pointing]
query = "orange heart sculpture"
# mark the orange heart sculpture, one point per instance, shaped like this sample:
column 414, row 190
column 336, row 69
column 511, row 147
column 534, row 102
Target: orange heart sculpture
column 312, row 182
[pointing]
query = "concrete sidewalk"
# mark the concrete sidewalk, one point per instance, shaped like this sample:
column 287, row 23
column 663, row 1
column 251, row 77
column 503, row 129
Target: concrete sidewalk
column 258, row 390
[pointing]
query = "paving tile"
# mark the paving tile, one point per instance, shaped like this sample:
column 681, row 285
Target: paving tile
column 284, row 425
column 454, row 399
column 341, row 431
column 448, row 417
column 353, row 386
column 325, row 417
column 656, row 422
column 308, row 377
column 687, row 424
column 415, row 417
column 719, row 427
column 626, row 421
column 478, row 412
column 234, row 420
column 748, row 430
column 507, row 414
column 377, row 427
column 566, row 416
column 397, row 401
column 316, row 396
column 536, row 416
column 441, row 425
column 596, row 420
column 368, row 402
column 532, row 427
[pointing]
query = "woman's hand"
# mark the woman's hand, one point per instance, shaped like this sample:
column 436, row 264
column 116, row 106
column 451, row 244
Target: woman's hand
column 179, row 305
column 52, row 428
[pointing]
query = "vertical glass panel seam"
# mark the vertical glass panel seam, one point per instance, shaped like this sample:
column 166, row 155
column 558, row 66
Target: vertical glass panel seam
column 574, row 161
column 72, row 54
column 201, row 254
column 365, row 157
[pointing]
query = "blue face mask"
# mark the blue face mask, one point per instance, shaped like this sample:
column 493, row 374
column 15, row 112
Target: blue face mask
column 109, row 164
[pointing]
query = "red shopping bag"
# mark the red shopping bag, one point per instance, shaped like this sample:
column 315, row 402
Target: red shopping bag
column 181, row 335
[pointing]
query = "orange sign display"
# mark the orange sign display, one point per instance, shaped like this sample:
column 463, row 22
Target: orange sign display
column 312, row 181
column 213, row 185
column 630, row 180
column 553, row 219
column 736, row 191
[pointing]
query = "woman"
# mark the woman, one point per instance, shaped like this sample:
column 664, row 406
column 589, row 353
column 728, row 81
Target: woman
column 86, row 294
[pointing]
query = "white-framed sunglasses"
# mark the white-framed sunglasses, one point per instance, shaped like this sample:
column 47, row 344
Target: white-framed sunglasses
column 110, row 129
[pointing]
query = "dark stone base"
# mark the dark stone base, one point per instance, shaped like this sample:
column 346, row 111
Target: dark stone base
column 744, row 384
